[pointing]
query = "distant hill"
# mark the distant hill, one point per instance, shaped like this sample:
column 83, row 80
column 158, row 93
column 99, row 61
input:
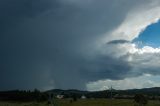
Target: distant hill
column 68, row 93
column 155, row 91
column 147, row 91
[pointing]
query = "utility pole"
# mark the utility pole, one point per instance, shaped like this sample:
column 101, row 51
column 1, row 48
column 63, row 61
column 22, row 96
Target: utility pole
column 111, row 95
column 51, row 99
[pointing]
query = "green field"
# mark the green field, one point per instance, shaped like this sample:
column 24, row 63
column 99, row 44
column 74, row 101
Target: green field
column 87, row 102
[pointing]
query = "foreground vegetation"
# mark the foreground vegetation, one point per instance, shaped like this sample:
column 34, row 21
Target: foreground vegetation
column 86, row 102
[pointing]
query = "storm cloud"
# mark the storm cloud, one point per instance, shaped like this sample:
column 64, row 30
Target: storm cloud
column 66, row 43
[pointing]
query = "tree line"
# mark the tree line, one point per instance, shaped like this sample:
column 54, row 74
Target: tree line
column 23, row 95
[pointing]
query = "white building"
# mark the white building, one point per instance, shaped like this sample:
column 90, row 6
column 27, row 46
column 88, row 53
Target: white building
column 83, row 97
column 60, row 96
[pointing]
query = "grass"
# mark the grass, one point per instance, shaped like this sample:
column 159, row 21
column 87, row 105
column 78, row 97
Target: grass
column 87, row 102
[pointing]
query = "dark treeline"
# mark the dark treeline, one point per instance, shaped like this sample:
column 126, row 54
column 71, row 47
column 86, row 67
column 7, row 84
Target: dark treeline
column 23, row 95
column 36, row 95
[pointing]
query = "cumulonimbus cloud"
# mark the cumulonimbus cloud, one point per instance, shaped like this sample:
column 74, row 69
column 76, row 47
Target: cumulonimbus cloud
column 65, row 44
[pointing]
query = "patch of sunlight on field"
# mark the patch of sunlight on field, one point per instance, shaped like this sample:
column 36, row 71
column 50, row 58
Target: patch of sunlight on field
column 87, row 102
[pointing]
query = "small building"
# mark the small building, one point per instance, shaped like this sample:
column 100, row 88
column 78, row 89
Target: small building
column 60, row 96
column 83, row 97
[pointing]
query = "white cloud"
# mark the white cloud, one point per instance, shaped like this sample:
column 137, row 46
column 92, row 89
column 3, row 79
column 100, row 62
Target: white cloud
column 136, row 21
column 144, row 81
column 145, row 49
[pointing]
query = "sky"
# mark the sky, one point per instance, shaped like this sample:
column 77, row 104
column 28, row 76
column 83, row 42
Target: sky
column 146, row 37
column 79, row 44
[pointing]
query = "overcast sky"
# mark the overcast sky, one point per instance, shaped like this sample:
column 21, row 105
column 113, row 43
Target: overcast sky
column 79, row 44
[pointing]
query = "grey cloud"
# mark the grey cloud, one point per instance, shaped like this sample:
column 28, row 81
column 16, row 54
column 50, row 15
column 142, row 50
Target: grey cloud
column 118, row 42
column 146, row 63
column 106, row 67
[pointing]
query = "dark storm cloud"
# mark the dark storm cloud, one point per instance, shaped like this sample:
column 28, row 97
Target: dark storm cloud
column 106, row 67
column 47, row 43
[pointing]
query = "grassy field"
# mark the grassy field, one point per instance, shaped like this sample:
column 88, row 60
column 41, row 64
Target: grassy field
column 96, row 102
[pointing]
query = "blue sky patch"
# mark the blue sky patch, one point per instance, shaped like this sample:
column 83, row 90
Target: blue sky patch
column 150, row 36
